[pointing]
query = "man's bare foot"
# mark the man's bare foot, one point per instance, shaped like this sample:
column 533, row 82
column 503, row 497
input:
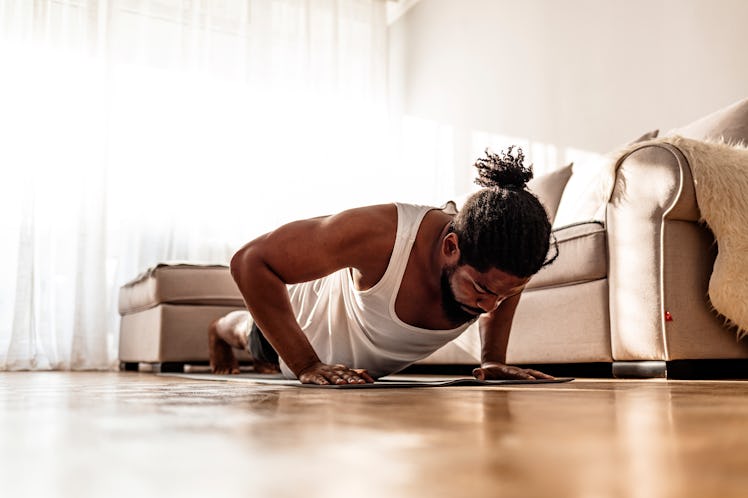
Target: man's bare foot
column 222, row 359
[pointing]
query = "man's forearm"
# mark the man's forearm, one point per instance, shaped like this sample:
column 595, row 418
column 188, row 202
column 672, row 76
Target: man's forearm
column 266, row 297
column 495, row 328
column 493, row 346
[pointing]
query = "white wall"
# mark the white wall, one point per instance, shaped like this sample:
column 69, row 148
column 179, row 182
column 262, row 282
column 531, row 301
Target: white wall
column 565, row 75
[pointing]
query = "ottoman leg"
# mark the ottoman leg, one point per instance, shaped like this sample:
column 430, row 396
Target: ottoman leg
column 126, row 366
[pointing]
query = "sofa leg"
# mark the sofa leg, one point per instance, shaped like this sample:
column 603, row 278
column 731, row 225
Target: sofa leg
column 127, row 366
column 639, row 369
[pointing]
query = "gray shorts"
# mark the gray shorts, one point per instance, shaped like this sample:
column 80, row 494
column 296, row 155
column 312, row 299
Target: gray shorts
column 259, row 347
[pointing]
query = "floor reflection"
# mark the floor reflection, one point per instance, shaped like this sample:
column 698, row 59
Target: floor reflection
column 124, row 434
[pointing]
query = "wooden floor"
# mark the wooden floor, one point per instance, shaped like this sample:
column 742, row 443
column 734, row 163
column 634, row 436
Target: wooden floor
column 141, row 435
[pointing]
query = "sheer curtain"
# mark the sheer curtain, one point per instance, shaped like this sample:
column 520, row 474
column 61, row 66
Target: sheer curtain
column 138, row 131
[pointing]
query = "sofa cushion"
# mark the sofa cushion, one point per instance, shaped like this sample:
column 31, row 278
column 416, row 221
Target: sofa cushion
column 180, row 283
column 729, row 124
column 549, row 187
column 582, row 257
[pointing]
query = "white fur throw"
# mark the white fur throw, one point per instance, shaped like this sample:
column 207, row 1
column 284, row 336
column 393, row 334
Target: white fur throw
column 720, row 173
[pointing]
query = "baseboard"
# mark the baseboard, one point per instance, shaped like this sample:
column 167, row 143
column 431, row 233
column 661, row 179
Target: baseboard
column 708, row 369
column 683, row 369
column 173, row 366
column 677, row 369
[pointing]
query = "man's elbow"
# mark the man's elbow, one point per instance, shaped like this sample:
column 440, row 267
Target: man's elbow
column 250, row 266
column 235, row 264
column 240, row 263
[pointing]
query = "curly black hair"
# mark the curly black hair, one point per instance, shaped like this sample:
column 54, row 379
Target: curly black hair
column 504, row 225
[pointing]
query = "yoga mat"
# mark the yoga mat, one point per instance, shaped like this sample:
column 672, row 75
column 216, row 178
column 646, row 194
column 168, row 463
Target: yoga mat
column 389, row 382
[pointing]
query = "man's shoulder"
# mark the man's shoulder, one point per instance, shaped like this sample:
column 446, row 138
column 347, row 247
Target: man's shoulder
column 385, row 219
column 371, row 217
column 365, row 228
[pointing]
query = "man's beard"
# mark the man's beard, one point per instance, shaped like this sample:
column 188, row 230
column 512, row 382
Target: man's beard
column 453, row 308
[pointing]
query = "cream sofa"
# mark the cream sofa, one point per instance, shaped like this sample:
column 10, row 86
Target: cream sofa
column 629, row 290
column 627, row 294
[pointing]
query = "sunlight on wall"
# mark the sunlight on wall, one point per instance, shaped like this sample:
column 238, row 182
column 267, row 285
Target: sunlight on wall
column 427, row 160
column 449, row 153
column 543, row 157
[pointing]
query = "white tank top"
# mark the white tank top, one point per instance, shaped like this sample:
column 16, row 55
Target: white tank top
column 360, row 328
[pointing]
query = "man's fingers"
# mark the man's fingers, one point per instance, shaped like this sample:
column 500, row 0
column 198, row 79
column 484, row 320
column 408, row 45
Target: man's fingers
column 355, row 379
column 507, row 372
column 335, row 374
column 539, row 375
column 365, row 375
column 357, row 376
column 500, row 372
column 337, row 379
column 352, row 378
column 345, row 377
column 319, row 379
column 517, row 373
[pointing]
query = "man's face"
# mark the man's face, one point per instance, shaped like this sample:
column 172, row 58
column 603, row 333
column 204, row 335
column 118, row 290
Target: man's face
column 467, row 293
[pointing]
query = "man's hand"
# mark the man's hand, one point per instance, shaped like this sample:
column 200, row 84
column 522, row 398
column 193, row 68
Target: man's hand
column 322, row 373
column 496, row 371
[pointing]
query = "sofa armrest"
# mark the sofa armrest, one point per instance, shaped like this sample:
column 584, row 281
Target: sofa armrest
column 653, row 188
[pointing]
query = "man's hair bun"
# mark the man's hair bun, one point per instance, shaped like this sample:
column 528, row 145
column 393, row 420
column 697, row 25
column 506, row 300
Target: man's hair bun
column 503, row 170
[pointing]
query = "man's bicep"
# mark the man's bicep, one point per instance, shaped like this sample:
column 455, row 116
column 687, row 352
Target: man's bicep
column 302, row 250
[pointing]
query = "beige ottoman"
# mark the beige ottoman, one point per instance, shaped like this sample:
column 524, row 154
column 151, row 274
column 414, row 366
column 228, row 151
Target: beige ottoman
column 166, row 312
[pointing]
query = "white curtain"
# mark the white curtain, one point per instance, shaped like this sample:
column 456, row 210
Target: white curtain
column 139, row 131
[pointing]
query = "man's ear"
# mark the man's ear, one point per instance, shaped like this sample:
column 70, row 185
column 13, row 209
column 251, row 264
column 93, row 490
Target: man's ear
column 451, row 248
